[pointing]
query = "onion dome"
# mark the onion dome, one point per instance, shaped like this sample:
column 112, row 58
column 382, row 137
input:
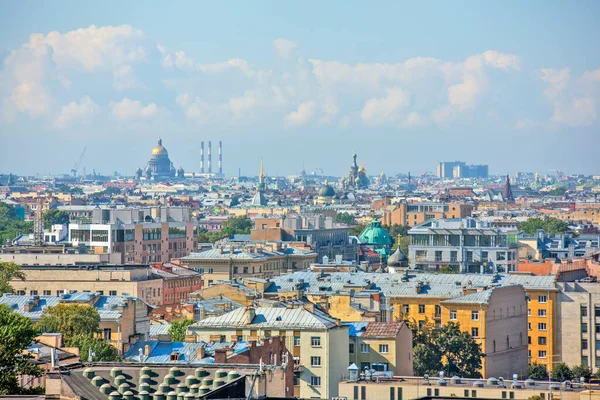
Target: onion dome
column 398, row 258
column 159, row 150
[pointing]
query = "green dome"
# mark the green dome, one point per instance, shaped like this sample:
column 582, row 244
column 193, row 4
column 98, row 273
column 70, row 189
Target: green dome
column 326, row 191
column 374, row 234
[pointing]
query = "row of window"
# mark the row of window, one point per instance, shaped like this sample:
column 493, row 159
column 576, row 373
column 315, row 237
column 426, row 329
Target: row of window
column 584, row 311
column 541, row 326
column 541, row 312
column 365, row 348
column 59, row 292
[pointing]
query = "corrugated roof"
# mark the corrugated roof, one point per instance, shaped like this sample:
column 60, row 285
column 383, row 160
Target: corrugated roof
column 269, row 318
column 482, row 297
column 160, row 352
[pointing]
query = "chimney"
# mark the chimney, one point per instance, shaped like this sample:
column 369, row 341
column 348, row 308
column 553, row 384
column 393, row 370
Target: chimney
column 147, row 350
column 464, row 290
column 220, row 157
column 202, row 157
column 201, row 353
column 209, row 158
column 249, row 315
column 220, row 356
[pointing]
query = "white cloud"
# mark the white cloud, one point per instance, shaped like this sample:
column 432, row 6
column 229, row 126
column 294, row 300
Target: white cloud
column 302, row 115
column 128, row 109
column 240, row 105
column 123, row 78
column 76, row 112
column 574, row 101
column 386, row 109
column 284, row 47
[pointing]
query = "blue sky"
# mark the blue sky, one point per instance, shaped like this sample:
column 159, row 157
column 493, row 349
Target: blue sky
column 404, row 84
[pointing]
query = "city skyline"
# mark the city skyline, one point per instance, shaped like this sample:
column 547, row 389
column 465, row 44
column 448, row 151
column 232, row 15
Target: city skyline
column 404, row 86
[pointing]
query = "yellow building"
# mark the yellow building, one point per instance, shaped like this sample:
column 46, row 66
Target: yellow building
column 319, row 344
column 382, row 346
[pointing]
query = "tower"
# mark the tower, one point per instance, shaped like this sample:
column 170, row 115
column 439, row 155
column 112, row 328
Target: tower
column 220, row 165
column 202, row 157
column 209, row 158
column 38, row 224
column 261, row 176
column 507, row 193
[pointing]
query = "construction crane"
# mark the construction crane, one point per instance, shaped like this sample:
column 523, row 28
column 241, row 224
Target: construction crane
column 78, row 162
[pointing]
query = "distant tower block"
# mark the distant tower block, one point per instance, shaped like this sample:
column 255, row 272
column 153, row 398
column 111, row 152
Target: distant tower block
column 209, row 163
column 220, row 158
column 202, row 157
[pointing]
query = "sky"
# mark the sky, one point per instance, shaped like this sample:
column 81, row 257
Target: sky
column 512, row 84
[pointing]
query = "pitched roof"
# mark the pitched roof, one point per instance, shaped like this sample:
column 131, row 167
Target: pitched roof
column 269, row 318
column 383, row 329
column 482, row 297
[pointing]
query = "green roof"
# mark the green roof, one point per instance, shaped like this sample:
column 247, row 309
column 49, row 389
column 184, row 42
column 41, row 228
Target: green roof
column 374, row 234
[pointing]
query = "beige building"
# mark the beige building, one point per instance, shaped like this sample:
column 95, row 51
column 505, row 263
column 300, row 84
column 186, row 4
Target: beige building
column 122, row 280
column 578, row 324
column 401, row 388
column 382, row 346
column 226, row 263
column 123, row 320
column 319, row 344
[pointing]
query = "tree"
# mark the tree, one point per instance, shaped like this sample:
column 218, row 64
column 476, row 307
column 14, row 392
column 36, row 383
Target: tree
column 537, row 371
column 178, row 329
column 236, row 225
column 70, row 320
column 344, row 218
column 55, row 216
column 11, row 225
column 8, row 272
column 445, row 348
column 561, row 372
column 579, row 371
column 395, row 230
column 551, row 226
column 447, row 269
column 17, row 334
column 357, row 229
column 403, row 244
column 102, row 350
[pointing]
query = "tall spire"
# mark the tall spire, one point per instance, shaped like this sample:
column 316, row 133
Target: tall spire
column 507, row 194
column 261, row 176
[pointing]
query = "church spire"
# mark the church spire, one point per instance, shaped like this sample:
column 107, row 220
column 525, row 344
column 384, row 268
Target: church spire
column 507, row 193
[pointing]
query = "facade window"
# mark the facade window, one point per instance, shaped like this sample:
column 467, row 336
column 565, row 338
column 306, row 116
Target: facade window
column 597, row 328
column 584, row 327
column 33, row 292
column 421, row 308
column 405, row 308
column 528, row 339
column 584, row 344
column 106, row 334
column 364, row 348
column 315, row 361
column 315, row 341
column 584, row 311
column 296, row 340
column 475, row 315
column 315, row 380
column 47, row 293
column 383, row 348
column 475, row 332
column 529, row 312
column 542, row 354
column 596, row 311
column 541, row 313
column 112, row 293
column 351, row 348
column 542, row 326
column 542, row 340
column 529, row 326
column 541, row 299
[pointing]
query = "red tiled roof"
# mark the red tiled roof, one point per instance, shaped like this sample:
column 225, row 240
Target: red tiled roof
column 383, row 329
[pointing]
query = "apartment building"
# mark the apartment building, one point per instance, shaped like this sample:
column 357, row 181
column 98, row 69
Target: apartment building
column 578, row 324
column 412, row 214
column 420, row 297
column 319, row 344
column 497, row 319
column 381, row 346
column 123, row 319
column 139, row 235
column 150, row 284
column 225, row 263
column 466, row 245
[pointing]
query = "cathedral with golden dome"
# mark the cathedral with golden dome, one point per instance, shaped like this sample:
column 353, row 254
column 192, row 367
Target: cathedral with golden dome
column 357, row 178
column 159, row 166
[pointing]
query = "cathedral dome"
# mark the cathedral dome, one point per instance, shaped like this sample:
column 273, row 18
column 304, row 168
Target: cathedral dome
column 159, row 150
column 374, row 234
column 326, row 191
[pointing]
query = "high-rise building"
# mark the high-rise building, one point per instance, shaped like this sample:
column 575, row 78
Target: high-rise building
column 460, row 169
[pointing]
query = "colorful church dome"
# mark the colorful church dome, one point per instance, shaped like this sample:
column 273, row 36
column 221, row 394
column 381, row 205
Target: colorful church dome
column 374, row 234
column 159, row 150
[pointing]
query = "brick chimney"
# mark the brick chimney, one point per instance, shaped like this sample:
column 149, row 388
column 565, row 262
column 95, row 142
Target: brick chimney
column 201, row 353
column 220, row 356
column 249, row 315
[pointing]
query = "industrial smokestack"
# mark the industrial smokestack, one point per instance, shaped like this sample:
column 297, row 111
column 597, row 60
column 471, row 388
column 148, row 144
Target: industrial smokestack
column 209, row 164
column 220, row 158
column 202, row 157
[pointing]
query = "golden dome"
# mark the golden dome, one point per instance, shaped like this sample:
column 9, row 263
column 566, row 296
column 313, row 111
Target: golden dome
column 158, row 150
